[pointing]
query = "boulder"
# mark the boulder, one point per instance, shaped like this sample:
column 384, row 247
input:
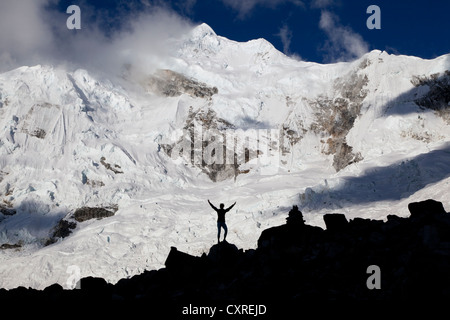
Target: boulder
column 335, row 221
column 427, row 207
column 223, row 252
column 182, row 264
column 7, row 211
column 87, row 213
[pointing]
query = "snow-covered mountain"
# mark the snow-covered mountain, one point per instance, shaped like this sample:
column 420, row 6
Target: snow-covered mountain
column 218, row 120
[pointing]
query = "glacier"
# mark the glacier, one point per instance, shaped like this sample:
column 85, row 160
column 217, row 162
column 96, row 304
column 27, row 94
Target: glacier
column 363, row 138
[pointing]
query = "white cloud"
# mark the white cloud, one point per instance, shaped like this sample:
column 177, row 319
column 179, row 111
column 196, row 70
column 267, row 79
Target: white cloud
column 23, row 32
column 144, row 42
column 343, row 43
column 285, row 35
column 31, row 33
column 147, row 42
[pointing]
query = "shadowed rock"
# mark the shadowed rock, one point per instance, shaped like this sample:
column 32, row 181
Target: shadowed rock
column 335, row 221
column 426, row 207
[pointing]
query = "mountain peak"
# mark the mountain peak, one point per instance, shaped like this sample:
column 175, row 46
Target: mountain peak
column 203, row 30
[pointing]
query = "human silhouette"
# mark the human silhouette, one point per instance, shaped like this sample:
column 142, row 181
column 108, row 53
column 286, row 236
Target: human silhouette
column 221, row 219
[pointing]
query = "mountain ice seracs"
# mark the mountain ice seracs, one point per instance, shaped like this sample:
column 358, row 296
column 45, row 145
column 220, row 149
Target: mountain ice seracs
column 362, row 138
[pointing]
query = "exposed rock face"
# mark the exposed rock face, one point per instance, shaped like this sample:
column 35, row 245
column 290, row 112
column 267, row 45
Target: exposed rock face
column 335, row 113
column 172, row 84
column 63, row 229
column 336, row 117
column 295, row 263
column 438, row 96
column 205, row 138
column 114, row 168
column 10, row 246
column 87, row 213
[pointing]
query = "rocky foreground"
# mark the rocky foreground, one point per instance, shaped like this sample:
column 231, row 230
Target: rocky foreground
column 358, row 260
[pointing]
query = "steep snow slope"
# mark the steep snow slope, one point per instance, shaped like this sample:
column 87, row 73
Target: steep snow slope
column 363, row 138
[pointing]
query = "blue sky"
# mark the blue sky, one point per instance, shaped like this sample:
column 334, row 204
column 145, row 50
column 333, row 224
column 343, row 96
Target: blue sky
column 115, row 32
column 416, row 27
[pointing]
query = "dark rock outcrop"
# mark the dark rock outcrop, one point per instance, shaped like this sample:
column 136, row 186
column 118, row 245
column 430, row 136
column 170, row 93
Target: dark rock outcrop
column 427, row 207
column 335, row 222
column 10, row 246
column 114, row 168
column 7, row 211
column 295, row 263
column 87, row 213
column 65, row 226
column 437, row 97
column 172, row 84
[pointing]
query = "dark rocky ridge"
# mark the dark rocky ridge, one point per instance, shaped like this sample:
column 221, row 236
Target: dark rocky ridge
column 293, row 263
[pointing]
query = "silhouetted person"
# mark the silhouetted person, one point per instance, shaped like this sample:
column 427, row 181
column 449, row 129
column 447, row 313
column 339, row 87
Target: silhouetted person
column 221, row 219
